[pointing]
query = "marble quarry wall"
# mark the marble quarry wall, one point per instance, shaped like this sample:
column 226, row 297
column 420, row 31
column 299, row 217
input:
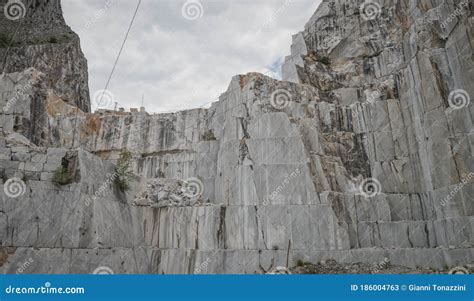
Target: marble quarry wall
column 362, row 153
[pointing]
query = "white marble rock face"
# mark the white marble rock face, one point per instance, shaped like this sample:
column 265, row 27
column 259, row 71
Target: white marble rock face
column 358, row 155
column 45, row 42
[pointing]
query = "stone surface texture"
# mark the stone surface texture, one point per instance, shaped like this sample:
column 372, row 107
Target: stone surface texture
column 272, row 165
column 42, row 40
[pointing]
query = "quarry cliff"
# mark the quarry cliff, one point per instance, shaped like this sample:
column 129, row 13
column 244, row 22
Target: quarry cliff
column 363, row 152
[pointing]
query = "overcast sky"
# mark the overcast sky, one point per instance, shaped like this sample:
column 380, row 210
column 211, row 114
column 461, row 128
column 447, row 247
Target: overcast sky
column 182, row 54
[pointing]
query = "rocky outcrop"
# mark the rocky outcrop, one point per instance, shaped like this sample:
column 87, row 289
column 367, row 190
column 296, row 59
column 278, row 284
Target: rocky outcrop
column 162, row 192
column 24, row 105
column 364, row 154
column 34, row 34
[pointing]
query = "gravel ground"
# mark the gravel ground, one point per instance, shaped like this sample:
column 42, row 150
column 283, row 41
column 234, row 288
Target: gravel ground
column 332, row 267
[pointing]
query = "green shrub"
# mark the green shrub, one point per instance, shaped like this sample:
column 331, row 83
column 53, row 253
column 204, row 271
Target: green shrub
column 4, row 41
column 8, row 41
column 325, row 60
column 122, row 184
column 62, row 176
column 208, row 136
column 122, row 172
column 299, row 263
column 53, row 40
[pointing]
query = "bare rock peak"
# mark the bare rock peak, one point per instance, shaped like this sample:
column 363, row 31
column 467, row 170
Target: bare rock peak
column 34, row 34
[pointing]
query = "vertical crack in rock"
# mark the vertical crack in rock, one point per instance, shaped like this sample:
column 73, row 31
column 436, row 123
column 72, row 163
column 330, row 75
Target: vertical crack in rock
column 354, row 157
column 429, row 243
column 338, row 209
column 408, row 236
column 260, row 225
column 440, row 83
column 196, row 242
column 221, row 239
column 192, row 261
column 244, row 154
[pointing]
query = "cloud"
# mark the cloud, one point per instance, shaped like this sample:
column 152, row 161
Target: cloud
column 179, row 63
